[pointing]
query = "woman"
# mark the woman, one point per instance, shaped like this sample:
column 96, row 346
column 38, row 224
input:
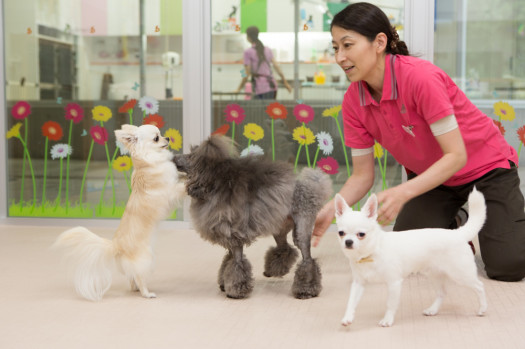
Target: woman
column 257, row 61
column 415, row 111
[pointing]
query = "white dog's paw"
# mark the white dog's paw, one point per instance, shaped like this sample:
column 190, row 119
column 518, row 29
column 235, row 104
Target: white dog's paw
column 149, row 295
column 347, row 320
column 481, row 311
column 430, row 311
column 387, row 321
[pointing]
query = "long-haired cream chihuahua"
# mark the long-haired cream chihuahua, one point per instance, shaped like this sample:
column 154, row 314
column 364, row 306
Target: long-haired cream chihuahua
column 389, row 257
column 155, row 193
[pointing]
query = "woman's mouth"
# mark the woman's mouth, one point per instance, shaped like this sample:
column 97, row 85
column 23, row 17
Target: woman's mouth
column 348, row 69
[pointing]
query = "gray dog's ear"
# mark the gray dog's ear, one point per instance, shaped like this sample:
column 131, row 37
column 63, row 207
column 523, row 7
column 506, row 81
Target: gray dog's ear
column 127, row 135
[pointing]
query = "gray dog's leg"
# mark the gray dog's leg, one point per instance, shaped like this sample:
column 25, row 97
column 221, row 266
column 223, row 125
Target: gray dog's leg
column 307, row 281
column 279, row 259
column 237, row 274
column 225, row 261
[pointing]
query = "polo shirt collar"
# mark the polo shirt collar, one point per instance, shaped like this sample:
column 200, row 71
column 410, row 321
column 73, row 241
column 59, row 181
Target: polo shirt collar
column 389, row 84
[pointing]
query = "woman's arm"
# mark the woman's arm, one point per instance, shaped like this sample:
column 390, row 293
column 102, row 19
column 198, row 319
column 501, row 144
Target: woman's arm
column 281, row 75
column 453, row 159
column 355, row 188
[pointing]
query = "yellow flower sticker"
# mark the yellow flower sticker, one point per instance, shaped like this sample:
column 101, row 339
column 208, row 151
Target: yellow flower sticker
column 504, row 111
column 14, row 131
column 175, row 138
column 303, row 135
column 333, row 112
column 101, row 113
column 378, row 151
column 122, row 163
column 253, row 131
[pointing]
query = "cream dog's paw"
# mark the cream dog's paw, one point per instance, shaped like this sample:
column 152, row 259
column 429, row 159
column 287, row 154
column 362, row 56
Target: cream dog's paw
column 149, row 295
column 347, row 320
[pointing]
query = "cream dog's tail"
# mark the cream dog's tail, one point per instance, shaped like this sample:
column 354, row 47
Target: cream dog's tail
column 477, row 215
column 92, row 258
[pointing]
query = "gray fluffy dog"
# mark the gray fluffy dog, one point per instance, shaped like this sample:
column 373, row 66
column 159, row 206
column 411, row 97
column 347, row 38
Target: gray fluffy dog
column 235, row 200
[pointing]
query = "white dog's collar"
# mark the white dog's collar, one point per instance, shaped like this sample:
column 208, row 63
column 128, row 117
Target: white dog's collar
column 368, row 259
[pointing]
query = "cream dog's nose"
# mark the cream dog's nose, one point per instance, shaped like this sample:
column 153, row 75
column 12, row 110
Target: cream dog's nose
column 349, row 243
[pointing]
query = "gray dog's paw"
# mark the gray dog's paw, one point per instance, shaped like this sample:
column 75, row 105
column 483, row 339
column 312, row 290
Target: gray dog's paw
column 307, row 281
column 279, row 260
column 237, row 277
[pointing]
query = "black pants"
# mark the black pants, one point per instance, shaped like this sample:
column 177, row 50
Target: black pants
column 502, row 238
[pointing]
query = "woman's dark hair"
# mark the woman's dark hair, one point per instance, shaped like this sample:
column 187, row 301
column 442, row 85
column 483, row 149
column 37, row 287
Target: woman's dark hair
column 253, row 34
column 369, row 20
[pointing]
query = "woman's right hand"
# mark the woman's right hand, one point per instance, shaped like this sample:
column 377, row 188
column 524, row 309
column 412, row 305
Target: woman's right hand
column 322, row 222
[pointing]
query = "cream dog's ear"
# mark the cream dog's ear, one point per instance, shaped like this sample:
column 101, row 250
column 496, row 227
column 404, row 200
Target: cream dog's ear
column 127, row 135
column 340, row 205
column 370, row 207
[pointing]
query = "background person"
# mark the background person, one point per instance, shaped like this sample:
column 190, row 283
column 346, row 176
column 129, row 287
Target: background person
column 416, row 112
column 257, row 66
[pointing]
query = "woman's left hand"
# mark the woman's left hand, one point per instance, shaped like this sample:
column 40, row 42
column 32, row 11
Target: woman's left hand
column 390, row 201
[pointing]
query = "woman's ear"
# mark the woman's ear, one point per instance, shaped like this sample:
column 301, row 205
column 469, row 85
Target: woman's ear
column 380, row 42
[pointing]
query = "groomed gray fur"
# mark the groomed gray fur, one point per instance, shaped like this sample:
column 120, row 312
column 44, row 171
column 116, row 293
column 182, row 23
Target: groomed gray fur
column 235, row 200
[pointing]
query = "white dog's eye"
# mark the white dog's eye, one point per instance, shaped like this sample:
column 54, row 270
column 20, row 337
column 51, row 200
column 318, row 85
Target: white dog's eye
column 361, row 235
column 156, row 139
column 341, row 233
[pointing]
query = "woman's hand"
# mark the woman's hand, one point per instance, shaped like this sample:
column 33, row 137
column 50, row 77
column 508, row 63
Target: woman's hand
column 391, row 201
column 322, row 222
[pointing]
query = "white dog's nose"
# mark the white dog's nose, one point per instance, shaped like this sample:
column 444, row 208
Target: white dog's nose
column 349, row 243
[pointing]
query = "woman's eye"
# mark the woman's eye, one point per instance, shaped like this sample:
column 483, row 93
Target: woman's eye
column 341, row 233
column 156, row 139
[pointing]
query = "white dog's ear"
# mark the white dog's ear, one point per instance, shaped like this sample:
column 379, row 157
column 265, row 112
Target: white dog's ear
column 127, row 134
column 370, row 207
column 340, row 205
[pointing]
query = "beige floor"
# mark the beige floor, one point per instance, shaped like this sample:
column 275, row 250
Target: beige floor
column 39, row 309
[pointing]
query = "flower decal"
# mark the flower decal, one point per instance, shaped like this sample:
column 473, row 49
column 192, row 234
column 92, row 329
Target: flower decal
column 126, row 107
column 499, row 125
column 504, row 111
column 14, row 131
column 52, row 130
column 234, row 113
column 60, row 151
column 221, row 130
column 521, row 134
column 276, row 111
column 328, row 165
column 149, row 105
column 99, row 134
column 155, row 120
column 21, row 110
column 332, row 112
column 378, row 151
column 74, row 112
column 303, row 113
column 101, row 113
column 303, row 135
column 253, row 132
column 122, row 163
column 325, row 142
column 252, row 150
column 175, row 138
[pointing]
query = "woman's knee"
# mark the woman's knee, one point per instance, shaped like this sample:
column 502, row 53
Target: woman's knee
column 506, row 268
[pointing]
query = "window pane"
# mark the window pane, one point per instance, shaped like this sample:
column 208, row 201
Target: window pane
column 318, row 83
column 72, row 67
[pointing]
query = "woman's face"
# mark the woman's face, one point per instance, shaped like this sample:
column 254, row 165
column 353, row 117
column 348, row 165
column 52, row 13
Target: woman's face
column 354, row 53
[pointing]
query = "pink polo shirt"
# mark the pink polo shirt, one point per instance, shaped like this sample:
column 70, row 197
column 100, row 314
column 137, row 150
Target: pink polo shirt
column 417, row 93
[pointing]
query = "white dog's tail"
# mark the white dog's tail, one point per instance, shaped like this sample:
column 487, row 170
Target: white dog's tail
column 92, row 258
column 477, row 215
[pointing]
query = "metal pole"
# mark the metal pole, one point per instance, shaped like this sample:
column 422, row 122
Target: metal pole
column 296, row 51
column 143, row 48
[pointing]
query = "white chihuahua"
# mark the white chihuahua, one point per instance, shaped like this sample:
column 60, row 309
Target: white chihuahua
column 389, row 257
